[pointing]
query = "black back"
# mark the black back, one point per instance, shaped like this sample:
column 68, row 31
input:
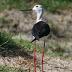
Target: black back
column 40, row 29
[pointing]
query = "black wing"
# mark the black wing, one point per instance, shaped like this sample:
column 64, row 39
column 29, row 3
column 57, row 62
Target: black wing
column 40, row 29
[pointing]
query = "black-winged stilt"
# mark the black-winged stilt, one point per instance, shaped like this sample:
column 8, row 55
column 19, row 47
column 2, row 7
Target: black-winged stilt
column 39, row 30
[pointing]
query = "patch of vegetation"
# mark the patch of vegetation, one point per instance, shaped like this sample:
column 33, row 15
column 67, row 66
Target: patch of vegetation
column 15, row 47
column 7, row 46
column 8, row 4
column 28, row 46
column 25, row 44
column 50, row 5
column 10, row 48
column 6, row 40
column 55, row 50
column 10, row 69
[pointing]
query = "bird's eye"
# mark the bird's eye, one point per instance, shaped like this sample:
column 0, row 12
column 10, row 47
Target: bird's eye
column 36, row 6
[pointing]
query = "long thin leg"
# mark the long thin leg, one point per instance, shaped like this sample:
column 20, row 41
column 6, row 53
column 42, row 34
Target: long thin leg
column 35, row 58
column 43, row 56
column 44, row 43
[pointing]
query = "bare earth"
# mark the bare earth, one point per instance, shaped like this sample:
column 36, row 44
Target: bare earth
column 51, row 64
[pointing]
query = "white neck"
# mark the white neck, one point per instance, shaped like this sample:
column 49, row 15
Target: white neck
column 39, row 16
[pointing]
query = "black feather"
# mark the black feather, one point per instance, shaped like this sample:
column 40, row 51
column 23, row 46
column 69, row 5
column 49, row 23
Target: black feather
column 40, row 30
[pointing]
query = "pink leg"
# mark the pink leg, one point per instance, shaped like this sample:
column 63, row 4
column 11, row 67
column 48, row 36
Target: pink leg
column 42, row 58
column 34, row 59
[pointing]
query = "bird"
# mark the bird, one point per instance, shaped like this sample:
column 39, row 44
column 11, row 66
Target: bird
column 40, row 28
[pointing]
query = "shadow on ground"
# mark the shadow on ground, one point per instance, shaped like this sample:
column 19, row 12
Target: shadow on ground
column 13, row 51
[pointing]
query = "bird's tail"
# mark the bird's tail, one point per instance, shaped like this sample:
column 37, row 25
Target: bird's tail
column 33, row 40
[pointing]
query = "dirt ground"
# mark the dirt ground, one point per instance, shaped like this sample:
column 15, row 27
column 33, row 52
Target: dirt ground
column 51, row 64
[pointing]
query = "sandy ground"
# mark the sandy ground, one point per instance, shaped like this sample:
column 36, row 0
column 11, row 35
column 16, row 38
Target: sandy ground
column 51, row 64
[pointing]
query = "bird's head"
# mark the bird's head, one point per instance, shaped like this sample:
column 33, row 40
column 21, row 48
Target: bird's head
column 37, row 8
